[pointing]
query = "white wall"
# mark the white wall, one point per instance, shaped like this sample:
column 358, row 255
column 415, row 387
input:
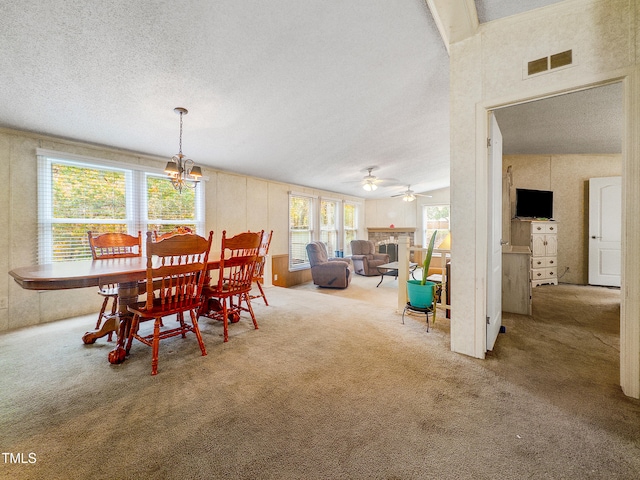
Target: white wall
column 387, row 211
column 487, row 72
column 233, row 202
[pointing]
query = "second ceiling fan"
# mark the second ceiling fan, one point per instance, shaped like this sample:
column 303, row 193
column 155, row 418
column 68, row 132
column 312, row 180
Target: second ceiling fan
column 409, row 195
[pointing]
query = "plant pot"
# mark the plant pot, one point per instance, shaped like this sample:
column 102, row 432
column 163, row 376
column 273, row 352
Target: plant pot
column 420, row 296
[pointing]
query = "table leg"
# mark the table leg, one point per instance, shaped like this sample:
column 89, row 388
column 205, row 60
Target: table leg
column 127, row 295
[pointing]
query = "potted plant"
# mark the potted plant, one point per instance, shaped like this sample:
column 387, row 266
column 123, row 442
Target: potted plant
column 421, row 292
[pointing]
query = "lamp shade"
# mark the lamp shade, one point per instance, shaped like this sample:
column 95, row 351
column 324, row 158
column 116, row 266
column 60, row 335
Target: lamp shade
column 196, row 172
column 446, row 243
column 171, row 168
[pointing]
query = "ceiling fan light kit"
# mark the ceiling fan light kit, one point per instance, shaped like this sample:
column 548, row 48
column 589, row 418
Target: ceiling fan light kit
column 369, row 181
column 409, row 195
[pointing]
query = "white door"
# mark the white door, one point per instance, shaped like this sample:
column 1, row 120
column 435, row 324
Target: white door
column 494, row 265
column 605, row 230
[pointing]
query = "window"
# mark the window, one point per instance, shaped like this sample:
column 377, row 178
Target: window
column 300, row 230
column 329, row 225
column 78, row 194
column 435, row 217
column 350, row 225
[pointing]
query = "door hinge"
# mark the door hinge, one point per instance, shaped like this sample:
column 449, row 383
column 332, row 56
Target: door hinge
column 488, row 142
column 488, row 320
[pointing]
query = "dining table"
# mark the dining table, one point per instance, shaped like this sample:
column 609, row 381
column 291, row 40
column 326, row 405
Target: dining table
column 126, row 273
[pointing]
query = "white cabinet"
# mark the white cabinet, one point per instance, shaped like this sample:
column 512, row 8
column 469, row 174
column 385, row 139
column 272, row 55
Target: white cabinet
column 542, row 238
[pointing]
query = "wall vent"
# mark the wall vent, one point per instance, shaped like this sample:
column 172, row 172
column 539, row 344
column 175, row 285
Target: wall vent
column 561, row 59
column 538, row 66
column 545, row 64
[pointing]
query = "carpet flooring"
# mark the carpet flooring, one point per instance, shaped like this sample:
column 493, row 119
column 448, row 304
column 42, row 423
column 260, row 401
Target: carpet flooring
column 331, row 386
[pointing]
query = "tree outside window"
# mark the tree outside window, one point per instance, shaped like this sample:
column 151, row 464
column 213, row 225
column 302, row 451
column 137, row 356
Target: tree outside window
column 435, row 217
column 350, row 225
column 329, row 225
column 300, row 230
column 75, row 197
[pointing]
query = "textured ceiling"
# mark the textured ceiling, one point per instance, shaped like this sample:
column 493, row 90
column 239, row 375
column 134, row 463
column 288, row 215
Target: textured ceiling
column 309, row 93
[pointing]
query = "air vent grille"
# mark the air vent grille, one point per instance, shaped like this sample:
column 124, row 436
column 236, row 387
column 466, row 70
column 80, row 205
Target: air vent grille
column 538, row 66
column 561, row 59
column 546, row 64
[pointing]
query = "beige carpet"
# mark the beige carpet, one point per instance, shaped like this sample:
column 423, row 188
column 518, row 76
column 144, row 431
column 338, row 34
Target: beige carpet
column 332, row 386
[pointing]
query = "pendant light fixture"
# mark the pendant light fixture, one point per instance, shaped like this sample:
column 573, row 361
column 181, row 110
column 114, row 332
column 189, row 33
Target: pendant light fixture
column 182, row 171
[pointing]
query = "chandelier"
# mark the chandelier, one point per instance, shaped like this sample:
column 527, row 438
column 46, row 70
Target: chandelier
column 182, row 171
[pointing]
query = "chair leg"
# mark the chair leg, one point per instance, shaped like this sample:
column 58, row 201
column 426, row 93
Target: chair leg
column 182, row 326
column 225, row 320
column 101, row 314
column 155, row 346
column 196, row 330
column 264, row 297
column 132, row 331
column 250, row 308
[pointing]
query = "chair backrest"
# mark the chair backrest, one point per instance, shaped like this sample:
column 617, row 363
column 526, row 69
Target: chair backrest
column 115, row 245
column 317, row 253
column 238, row 257
column 176, row 231
column 176, row 268
column 362, row 247
column 265, row 242
column 262, row 253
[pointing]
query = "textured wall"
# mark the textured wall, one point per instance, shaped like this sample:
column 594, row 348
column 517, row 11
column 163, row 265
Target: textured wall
column 567, row 176
column 233, row 202
column 487, row 73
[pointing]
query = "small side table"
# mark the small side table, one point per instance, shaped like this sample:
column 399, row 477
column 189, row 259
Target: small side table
column 391, row 270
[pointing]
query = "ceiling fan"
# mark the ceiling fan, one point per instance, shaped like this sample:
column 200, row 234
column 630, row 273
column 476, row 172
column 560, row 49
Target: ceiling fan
column 370, row 182
column 409, row 195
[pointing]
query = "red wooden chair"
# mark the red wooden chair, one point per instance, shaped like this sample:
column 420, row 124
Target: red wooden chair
column 109, row 246
column 238, row 257
column 258, row 274
column 176, row 269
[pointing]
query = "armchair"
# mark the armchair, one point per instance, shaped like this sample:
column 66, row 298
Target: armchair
column 365, row 259
column 325, row 271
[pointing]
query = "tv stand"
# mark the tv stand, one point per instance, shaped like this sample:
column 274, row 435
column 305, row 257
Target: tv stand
column 541, row 236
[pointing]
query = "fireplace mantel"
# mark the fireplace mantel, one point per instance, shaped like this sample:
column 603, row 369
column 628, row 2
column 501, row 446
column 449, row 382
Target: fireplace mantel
column 394, row 229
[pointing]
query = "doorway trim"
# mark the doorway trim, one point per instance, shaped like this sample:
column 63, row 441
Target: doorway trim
column 629, row 304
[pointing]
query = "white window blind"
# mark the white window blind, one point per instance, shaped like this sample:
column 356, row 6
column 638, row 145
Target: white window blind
column 329, row 222
column 350, row 225
column 301, row 231
column 75, row 196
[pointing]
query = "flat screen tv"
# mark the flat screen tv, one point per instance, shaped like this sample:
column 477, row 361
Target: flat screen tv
column 534, row 203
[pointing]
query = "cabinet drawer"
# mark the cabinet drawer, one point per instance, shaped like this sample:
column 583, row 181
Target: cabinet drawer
column 541, row 262
column 538, row 262
column 543, row 273
column 537, row 227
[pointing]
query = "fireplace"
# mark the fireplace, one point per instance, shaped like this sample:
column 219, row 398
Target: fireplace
column 386, row 239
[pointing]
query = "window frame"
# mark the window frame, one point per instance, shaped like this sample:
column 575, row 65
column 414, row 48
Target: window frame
column 425, row 220
column 135, row 197
column 313, row 229
column 338, row 225
column 356, row 213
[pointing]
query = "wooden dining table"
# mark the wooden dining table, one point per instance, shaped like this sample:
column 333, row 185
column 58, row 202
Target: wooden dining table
column 125, row 272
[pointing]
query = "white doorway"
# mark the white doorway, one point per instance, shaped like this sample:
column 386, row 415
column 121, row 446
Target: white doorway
column 605, row 231
column 494, row 265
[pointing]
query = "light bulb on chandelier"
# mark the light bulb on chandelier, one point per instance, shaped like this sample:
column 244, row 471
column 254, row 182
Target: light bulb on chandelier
column 182, row 171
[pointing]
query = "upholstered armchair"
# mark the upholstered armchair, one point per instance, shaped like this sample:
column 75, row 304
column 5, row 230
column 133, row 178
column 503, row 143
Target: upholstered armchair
column 325, row 271
column 365, row 259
